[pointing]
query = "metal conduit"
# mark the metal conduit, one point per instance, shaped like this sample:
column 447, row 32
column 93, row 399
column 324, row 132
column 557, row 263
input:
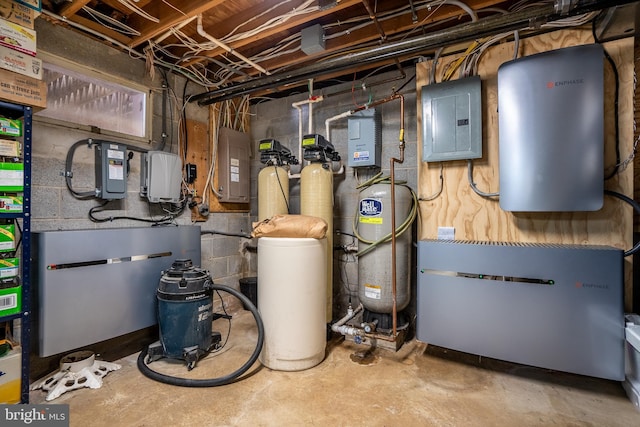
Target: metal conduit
column 528, row 18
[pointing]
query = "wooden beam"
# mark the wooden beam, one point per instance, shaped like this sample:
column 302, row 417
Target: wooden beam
column 71, row 8
column 291, row 23
column 169, row 17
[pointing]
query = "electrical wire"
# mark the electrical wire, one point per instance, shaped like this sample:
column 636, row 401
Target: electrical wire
column 439, row 191
column 616, row 76
column 165, row 220
column 473, row 184
column 636, row 208
column 404, row 226
column 284, row 196
column 224, row 233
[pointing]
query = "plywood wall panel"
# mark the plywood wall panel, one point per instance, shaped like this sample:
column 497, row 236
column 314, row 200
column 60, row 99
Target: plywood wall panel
column 478, row 218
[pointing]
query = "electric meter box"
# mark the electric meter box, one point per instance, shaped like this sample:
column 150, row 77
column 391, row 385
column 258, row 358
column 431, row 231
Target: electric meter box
column 365, row 139
column 161, row 177
column 234, row 176
column 111, row 170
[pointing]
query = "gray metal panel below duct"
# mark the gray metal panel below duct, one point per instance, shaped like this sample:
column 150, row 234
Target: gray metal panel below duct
column 94, row 285
column 551, row 306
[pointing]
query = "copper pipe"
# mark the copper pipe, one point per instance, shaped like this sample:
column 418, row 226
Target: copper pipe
column 383, row 35
column 393, row 160
column 392, row 163
column 373, row 17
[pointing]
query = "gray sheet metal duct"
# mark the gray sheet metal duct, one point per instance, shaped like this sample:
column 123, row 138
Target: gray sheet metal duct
column 529, row 18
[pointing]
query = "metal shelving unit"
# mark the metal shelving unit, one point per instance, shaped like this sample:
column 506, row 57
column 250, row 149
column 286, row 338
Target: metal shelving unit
column 25, row 112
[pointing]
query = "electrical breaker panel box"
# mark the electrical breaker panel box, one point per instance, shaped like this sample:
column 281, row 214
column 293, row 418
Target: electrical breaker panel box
column 234, row 175
column 111, row 170
column 365, row 139
column 161, row 177
column 452, row 120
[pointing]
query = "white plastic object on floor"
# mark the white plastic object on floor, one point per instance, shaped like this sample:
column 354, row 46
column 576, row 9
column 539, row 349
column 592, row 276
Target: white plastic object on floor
column 77, row 370
column 631, row 383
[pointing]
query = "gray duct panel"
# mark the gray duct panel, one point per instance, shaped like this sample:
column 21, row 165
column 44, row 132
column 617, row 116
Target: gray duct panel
column 94, row 285
column 552, row 306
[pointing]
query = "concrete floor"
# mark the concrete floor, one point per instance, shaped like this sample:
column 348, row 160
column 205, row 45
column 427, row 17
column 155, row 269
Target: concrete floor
column 419, row 385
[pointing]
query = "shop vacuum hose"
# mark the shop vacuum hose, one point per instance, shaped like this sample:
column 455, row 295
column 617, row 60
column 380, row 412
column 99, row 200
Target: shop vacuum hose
column 212, row 382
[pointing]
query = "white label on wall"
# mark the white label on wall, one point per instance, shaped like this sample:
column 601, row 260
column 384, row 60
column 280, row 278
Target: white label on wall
column 235, row 177
column 235, row 162
column 235, row 169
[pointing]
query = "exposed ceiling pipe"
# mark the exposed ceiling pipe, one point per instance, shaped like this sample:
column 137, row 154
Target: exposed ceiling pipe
column 373, row 17
column 491, row 25
column 222, row 45
column 383, row 36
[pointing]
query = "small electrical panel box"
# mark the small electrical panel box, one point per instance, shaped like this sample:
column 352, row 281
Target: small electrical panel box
column 234, row 175
column 312, row 39
column 452, row 120
column 161, row 177
column 365, row 139
column 111, row 170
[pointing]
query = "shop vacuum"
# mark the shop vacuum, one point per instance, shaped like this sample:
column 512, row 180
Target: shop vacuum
column 185, row 317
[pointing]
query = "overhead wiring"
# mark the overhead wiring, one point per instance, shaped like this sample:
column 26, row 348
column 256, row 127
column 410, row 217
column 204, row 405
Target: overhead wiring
column 636, row 208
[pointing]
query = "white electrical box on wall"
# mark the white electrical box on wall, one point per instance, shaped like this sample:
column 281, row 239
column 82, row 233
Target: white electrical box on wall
column 234, row 176
column 161, row 177
column 452, row 120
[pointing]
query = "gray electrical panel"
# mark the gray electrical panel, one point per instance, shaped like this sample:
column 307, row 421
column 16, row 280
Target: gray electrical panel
column 161, row 177
column 234, row 176
column 365, row 139
column 452, row 120
column 111, row 170
column 551, row 126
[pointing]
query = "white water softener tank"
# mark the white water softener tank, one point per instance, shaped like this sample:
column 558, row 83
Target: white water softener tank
column 374, row 268
column 292, row 274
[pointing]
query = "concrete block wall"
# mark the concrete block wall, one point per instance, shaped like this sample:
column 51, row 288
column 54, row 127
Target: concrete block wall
column 228, row 258
column 54, row 208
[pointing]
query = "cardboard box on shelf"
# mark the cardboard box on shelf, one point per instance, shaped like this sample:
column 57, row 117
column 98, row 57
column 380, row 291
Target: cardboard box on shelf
column 11, row 177
column 9, row 267
column 9, row 148
column 21, row 63
column 33, row 4
column 10, row 297
column 10, row 127
column 17, row 13
column 17, row 37
column 7, row 241
column 10, row 204
column 10, row 372
column 23, row 90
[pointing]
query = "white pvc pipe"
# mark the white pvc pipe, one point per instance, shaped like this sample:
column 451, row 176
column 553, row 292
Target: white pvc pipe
column 220, row 44
column 340, row 327
column 333, row 119
column 298, row 106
